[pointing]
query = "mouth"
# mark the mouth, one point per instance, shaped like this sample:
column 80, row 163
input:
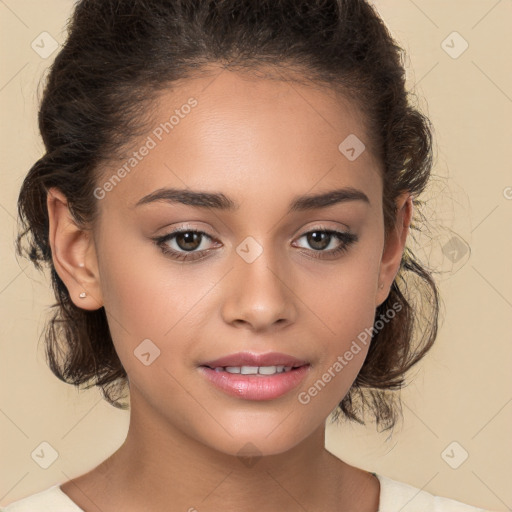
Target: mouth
column 255, row 376
column 254, row 370
column 254, row 360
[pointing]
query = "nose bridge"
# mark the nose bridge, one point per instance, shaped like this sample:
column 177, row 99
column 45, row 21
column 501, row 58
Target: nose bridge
column 259, row 290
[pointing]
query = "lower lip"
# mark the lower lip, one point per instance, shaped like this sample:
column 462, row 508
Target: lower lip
column 256, row 387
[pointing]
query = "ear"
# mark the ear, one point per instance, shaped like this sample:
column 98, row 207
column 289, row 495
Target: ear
column 394, row 247
column 73, row 253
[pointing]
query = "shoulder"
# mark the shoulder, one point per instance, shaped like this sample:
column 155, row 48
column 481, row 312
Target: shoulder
column 395, row 495
column 52, row 499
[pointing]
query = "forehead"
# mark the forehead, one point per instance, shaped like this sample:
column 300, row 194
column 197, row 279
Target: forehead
column 248, row 137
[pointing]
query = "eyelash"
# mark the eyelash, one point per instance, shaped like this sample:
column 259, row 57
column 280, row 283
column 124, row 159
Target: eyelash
column 347, row 240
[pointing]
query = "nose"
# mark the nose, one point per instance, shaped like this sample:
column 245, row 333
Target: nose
column 259, row 295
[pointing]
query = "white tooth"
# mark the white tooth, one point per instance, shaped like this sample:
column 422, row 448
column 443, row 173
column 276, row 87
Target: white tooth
column 219, row 369
column 249, row 370
column 287, row 368
column 233, row 369
column 280, row 369
column 267, row 370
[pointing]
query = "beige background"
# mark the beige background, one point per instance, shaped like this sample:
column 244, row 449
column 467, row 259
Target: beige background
column 461, row 392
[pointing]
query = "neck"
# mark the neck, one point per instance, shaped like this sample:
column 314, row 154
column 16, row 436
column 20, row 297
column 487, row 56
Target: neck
column 158, row 465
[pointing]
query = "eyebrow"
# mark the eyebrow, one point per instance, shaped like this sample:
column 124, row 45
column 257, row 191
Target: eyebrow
column 219, row 201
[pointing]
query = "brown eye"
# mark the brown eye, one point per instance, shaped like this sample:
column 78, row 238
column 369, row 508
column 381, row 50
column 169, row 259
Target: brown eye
column 184, row 245
column 188, row 240
column 319, row 240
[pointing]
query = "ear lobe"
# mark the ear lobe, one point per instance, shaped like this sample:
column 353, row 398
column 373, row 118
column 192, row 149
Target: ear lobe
column 73, row 253
column 394, row 246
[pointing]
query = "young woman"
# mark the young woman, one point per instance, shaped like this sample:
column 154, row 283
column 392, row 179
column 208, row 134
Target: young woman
column 224, row 204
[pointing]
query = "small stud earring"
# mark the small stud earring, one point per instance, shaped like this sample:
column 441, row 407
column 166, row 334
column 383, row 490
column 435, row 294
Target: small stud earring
column 83, row 295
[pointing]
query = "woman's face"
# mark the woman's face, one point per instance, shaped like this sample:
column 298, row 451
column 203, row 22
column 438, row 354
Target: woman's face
column 261, row 278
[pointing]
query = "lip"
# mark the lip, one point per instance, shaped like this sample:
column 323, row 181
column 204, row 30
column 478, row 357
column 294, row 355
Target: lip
column 256, row 387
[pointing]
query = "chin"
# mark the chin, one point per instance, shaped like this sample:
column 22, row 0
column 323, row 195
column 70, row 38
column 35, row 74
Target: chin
column 249, row 449
column 252, row 438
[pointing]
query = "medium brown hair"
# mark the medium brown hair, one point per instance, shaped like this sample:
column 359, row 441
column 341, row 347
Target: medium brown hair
column 119, row 54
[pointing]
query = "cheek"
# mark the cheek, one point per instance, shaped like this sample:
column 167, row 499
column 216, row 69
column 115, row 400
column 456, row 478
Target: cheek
column 133, row 279
column 344, row 307
column 132, row 291
column 344, row 299
column 146, row 297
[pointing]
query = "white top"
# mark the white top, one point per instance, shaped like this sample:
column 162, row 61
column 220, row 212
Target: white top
column 394, row 496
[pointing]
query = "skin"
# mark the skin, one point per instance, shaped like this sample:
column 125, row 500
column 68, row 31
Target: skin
column 262, row 143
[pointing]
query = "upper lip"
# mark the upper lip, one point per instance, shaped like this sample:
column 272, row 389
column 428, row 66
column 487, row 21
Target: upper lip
column 251, row 359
